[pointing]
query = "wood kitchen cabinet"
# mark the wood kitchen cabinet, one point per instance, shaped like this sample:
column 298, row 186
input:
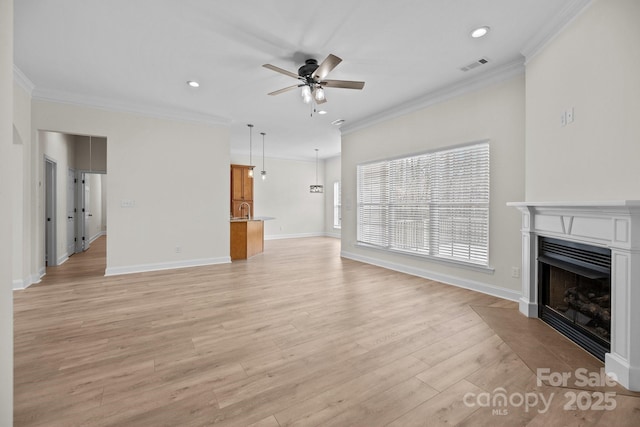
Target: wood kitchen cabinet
column 241, row 190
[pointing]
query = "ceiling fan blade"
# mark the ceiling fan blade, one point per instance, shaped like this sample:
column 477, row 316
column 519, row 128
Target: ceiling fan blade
column 286, row 89
column 281, row 71
column 344, row 84
column 329, row 63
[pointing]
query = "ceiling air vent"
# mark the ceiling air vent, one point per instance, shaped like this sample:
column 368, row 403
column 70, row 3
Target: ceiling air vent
column 475, row 64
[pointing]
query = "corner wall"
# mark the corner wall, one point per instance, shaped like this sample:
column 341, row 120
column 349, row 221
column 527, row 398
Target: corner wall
column 168, row 186
column 592, row 66
column 495, row 113
column 6, row 212
column 285, row 196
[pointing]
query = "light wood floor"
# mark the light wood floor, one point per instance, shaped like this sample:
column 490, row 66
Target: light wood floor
column 294, row 336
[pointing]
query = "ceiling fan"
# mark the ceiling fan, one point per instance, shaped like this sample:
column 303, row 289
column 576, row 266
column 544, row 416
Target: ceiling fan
column 312, row 79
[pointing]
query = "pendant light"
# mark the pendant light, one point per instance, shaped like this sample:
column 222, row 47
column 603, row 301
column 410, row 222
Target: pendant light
column 316, row 188
column 263, row 172
column 250, row 151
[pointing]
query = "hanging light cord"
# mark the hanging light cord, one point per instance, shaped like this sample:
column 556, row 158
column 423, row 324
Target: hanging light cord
column 316, row 166
column 250, row 143
column 263, row 134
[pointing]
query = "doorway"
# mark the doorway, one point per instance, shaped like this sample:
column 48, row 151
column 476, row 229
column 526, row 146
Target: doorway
column 74, row 187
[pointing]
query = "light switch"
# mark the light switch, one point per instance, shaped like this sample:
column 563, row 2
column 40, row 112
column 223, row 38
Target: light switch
column 563, row 118
column 570, row 115
column 127, row 203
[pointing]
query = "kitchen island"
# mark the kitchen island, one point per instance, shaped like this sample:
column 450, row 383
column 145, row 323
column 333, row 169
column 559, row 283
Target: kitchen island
column 247, row 238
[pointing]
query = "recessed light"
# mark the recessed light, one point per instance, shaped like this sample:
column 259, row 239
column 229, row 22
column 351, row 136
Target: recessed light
column 322, row 112
column 480, row 32
column 193, row 83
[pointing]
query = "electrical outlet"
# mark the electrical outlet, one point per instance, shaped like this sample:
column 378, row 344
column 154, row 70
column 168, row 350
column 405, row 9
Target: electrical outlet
column 563, row 118
column 515, row 272
column 178, row 249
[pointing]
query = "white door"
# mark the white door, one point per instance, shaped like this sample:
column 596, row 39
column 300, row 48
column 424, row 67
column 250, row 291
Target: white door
column 71, row 215
column 83, row 192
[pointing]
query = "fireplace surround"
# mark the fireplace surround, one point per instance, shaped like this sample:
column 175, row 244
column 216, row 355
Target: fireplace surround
column 612, row 225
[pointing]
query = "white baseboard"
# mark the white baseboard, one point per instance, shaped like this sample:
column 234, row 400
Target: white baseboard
column 21, row 284
column 438, row 277
column 62, row 259
column 335, row 235
column 98, row 234
column 293, row 236
column 115, row 271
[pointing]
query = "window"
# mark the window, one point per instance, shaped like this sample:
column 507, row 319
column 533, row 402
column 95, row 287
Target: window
column 434, row 204
column 337, row 206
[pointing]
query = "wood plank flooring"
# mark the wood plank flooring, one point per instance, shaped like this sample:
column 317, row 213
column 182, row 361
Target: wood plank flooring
column 295, row 336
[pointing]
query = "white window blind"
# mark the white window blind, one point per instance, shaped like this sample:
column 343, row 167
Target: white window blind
column 434, row 204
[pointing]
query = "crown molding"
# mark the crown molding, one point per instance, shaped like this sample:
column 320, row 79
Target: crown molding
column 120, row 107
column 22, row 80
column 500, row 74
column 553, row 27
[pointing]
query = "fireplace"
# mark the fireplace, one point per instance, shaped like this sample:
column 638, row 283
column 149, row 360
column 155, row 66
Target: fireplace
column 608, row 230
column 574, row 282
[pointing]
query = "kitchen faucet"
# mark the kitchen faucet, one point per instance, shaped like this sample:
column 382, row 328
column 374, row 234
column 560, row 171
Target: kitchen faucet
column 248, row 209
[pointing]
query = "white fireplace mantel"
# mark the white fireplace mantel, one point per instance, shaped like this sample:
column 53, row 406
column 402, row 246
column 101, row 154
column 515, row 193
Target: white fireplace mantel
column 611, row 224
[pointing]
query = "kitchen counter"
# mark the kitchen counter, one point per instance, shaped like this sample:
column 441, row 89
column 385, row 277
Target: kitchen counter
column 246, row 237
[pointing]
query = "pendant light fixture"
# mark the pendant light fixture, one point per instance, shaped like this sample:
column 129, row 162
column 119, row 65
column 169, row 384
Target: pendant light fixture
column 316, row 188
column 263, row 172
column 250, row 151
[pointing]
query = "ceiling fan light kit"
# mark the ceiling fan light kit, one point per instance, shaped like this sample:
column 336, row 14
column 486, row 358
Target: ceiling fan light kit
column 312, row 79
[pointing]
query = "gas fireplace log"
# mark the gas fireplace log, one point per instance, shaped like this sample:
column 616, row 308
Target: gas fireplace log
column 587, row 307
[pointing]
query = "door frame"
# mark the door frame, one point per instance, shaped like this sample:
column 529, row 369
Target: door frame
column 71, row 202
column 50, row 217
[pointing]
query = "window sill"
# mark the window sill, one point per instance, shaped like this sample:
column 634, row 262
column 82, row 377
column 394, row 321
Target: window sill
column 487, row 269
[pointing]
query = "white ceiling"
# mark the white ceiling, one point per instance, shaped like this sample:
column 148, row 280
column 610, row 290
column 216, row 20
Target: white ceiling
column 138, row 54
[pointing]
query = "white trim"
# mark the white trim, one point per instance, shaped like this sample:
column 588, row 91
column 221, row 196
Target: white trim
column 95, row 236
column 553, row 28
column 22, row 80
column 62, row 259
column 115, row 271
column 443, row 278
column 294, row 236
column 128, row 108
column 22, row 284
column 19, row 284
column 498, row 75
column 337, row 235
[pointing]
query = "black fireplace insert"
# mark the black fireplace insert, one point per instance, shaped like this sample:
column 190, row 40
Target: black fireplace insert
column 574, row 284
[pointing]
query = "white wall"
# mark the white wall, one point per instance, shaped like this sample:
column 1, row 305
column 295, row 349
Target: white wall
column 495, row 113
column 60, row 148
column 6, row 212
column 103, row 203
column 175, row 173
column 285, row 196
column 592, row 66
column 94, row 223
column 333, row 172
column 21, row 182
